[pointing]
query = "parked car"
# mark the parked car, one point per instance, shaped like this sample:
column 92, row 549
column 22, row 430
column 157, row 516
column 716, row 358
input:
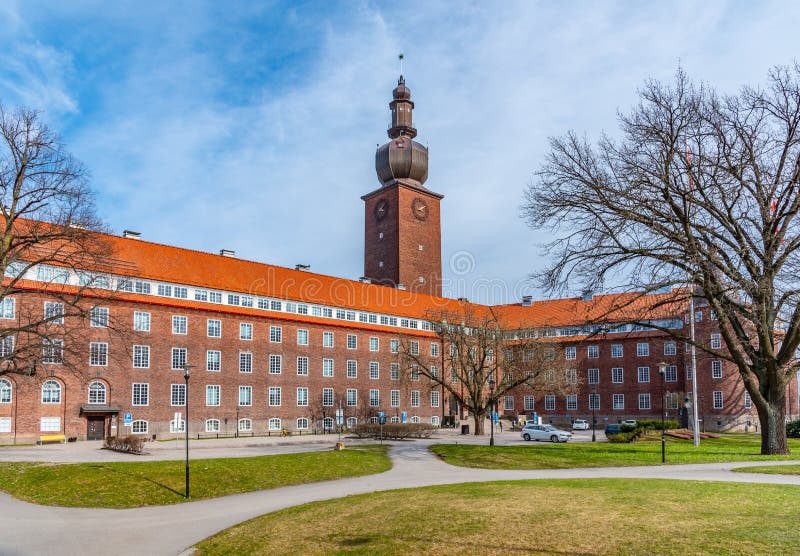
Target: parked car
column 613, row 429
column 580, row 425
column 545, row 432
column 629, row 422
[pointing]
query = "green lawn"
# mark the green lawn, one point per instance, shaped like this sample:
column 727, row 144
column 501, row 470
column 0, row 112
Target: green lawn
column 734, row 447
column 148, row 483
column 587, row 516
column 771, row 469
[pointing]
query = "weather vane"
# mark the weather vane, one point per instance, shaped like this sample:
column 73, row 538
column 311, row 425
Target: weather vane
column 400, row 57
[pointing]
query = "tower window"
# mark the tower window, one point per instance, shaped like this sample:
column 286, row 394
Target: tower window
column 380, row 235
column 380, row 264
column 420, row 247
column 421, row 280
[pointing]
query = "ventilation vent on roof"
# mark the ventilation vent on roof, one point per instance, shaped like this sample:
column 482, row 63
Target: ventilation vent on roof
column 587, row 295
column 130, row 234
column 400, row 286
column 227, row 252
column 463, row 299
column 302, row 267
column 527, row 300
column 365, row 280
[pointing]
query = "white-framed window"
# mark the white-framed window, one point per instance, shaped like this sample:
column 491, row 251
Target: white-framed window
column 394, row 371
column 718, row 399
column 212, row 425
column 302, row 337
column 434, row 349
column 619, row 401
column 178, row 358
column 435, row 420
column 698, row 316
column 275, row 364
column 50, row 424
column 6, row 390
column 98, row 317
column 527, row 403
column 594, row 401
column 352, row 397
column 245, row 425
column 671, row 374
column 302, row 424
column 6, row 346
column 213, row 360
column 52, row 351
column 616, row 350
column 97, row 393
column 177, row 427
column 351, row 422
column 177, row 394
column 414, row 347
column 327, row 339
column 302, row 396
column 302, row 365
column 644, row 374
column 352, row 341
column 140, row 426
column 617, row 375
column 374, row 398
column 571, row 376
column 8, row 307
column 592, row 352
column 141, row 357
column 644, row 401
column 642, row 349
column 508, row 403
column 394, row 398
column 593, row 376
column 716, row 368
column 276, row 334
column 245, row 395
column 54, row 312
column 98, row 354
column 164, row 289
column 434, row 398
column 327, row 397
column 689, row 373
column 245, row 362
column 141, row 321
column 274, row 396
column 327, row 423
column 748, row 402
column 572, row 402
column 245, row 331
column 670, row 348
column 394, row 345
column 352, row 368
column 214, row 328
column 374, row 370
column 180, row 324
column 549, row 402
column 415, row 373
column 415, row 398
column 570, row 353
column 327, row 367
column 716, row 341
column 274, row 424
column 434, row 371
column 140, row 393
column 374, row 343
column 212, row 394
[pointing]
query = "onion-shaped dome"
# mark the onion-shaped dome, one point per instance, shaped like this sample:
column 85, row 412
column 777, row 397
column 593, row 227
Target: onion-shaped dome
column 403, row 160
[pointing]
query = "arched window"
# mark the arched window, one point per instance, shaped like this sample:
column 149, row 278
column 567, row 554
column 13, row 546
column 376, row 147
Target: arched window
column 352, row 422
column 245, row 425
column 140, row 427
column 302, row 424
column 415, row 419
column 212, row 425
column 180, row 428
column 394, row 419
column 51, row 392
column 5, row 391
column 435, row 421
column 274, row 424
column 97, row 393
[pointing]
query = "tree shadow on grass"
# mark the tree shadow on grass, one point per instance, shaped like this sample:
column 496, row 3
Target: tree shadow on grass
column 139, row 476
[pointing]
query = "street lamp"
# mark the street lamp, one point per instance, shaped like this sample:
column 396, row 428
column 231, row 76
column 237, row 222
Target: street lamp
column 491, row 409
column 186, row 427
column 662, row 370
column 591, row 402
column 703, row 411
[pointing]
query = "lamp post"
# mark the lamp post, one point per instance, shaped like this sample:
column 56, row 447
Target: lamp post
column 491, row 410
column 703, row 411
column 186, row 427
column 662, row 370
column 591, row 402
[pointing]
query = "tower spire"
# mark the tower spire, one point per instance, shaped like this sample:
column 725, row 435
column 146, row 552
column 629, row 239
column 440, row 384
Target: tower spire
column 402, row 108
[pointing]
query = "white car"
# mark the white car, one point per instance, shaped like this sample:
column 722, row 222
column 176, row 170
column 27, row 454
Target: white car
column 580, row 425
column 545, row 432
column 630, row 422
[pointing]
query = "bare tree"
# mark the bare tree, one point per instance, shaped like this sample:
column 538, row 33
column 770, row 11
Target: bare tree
column 483, row 361
column 48, row 233
column 700, row 190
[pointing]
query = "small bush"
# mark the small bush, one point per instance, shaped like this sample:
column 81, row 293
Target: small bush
column 394, row 431
column 126, row 444
column 793, row 429
column 655, row 424
column 623, row 437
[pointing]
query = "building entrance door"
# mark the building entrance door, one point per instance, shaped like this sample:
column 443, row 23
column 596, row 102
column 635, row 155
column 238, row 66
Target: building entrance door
column 96, row 428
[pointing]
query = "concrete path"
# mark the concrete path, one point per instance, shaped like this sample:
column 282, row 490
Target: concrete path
column 169, row 530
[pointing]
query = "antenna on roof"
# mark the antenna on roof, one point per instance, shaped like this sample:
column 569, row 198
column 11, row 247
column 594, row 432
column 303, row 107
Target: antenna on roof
column 302, row 267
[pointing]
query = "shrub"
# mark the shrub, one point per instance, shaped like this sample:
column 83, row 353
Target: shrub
column 623, row 437
column 126, row 444
column 793, row 429
column 394, row 431
column 655, row 424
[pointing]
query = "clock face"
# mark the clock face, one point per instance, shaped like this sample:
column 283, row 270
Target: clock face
column 420, row 208
column 381, row 209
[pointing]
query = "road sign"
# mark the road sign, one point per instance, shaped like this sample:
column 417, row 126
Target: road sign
column 403, row 417
column 339, row 417
column 381, row 414
column 128, row 419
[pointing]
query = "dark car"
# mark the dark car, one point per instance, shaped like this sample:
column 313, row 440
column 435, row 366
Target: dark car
column 613, row 429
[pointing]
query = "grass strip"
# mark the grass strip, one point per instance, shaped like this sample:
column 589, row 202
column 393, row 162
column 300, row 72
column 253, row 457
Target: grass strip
column 149, row 483
column 771, row 469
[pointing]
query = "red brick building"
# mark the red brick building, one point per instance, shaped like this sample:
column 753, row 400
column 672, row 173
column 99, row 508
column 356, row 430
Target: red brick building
column 271, row 348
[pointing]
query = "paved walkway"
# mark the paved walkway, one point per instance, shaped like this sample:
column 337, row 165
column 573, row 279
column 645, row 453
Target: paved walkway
column 169, row 530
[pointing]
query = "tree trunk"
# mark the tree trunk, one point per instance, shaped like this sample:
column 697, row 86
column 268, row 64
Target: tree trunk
column 480, row 420
column 773, row 425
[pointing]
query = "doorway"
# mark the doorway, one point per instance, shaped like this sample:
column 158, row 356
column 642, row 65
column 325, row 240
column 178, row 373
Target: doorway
column 96, row 428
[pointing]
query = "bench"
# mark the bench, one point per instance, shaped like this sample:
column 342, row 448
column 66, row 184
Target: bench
column 48, row 438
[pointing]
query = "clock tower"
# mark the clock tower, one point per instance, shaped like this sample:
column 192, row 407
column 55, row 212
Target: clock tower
column 402, row 241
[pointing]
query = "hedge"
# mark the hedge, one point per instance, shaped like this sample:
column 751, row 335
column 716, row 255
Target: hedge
column 394, row 431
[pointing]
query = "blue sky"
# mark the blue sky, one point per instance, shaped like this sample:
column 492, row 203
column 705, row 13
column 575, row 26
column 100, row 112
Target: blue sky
column 252, row 125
